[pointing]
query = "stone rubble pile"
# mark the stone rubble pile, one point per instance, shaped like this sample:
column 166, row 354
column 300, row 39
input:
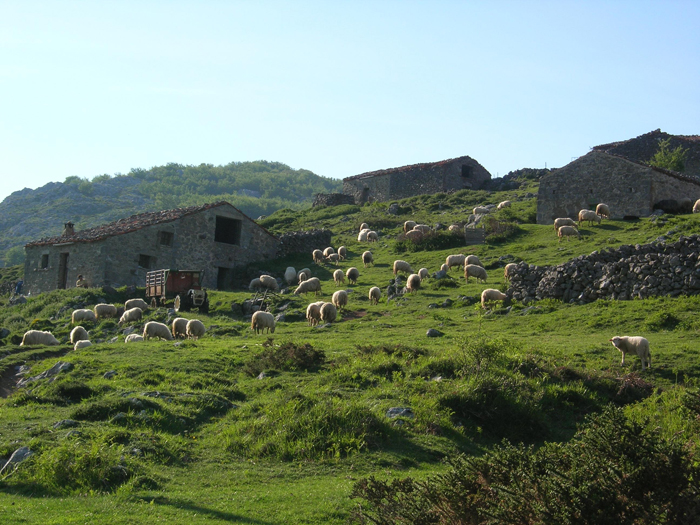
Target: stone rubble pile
column 624, row 273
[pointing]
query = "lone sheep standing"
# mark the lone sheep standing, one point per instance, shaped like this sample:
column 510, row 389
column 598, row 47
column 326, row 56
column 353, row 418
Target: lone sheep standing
column 402, row 266
column 472, row 270
column 339, row 277
column 374, row 295
column 83, row 315
column 262, row 321
column 603, row 210
column 352, row 274
column 136, row 303
column 290, row 275
column 37, row 337
column 635, row 345
column 343, row 253
column 490, row 296
column 340, row 299
column 568, row 231
column 413, row 282
column 367, row 258
column 155, row 329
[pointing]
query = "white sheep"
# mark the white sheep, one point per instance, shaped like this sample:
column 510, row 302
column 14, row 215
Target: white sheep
column 490, row 296
column 133, row 338
column 367, row 258
column 328, row 312
column 83, row 315
column 339, row 277
column 402, row 266
column 508, row 271
column 262, row 321
column 563, row 221
column 588, row 215
column 333, row 258
column 269, row 282
column 364, row 226
column 313, row 313
column 131, row 315
column 415, row 236
column 423, row 228
column 343, row 253
column 423, row 273
column 303, row 275
column 179, row 327
column 603, row 210
column 455, row 260
column 408, row 226
column 290, row 275
column 696, row 206
column 362, row 236
column 340, row 299
column 473, row 259
column 195, row 329
column 78, row 334
column 136, row 303
column 103, row 310
column 156, row 329
column 255, row 285
column 328, row 251
column 413, row 282
column 352, row 274
column 504, row 204
column 38, row 337
column 636, row 345
column 312, row 284
column 568, row 231
column 82, row 344
column 455, row 229
column 372, row 236
column 374, row 295
column 473, row 270
column 317, row 256
column 480, row 210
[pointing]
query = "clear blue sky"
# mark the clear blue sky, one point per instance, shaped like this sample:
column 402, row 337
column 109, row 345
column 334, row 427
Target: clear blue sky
column 336, row 87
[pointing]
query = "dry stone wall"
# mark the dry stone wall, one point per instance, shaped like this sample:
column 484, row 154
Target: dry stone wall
column 627, row 272
column 304, row 242
column 332, row 199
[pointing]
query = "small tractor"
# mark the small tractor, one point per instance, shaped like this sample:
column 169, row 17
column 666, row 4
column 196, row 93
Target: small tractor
column 184, row 286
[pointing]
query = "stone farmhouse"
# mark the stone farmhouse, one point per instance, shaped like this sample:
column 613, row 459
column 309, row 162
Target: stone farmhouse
column 214, row 237
column 629, row 188
column 417, row 179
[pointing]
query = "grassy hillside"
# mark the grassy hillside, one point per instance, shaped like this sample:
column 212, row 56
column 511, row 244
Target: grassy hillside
column 281, row 428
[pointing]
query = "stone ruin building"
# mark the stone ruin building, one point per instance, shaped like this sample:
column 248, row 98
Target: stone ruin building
column 417, row 179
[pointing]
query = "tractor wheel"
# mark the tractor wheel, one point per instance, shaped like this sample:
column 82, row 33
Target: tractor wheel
column 204, row 308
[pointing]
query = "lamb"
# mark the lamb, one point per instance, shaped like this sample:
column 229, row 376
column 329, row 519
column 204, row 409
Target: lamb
column 563, row 221
column 155, row 329
column 310, row 285
column 343, row 253
column 131, row 315
column 568, row 231
column 82, row 344
column 588, row 215
column 269, row 282
column 473, row 270
column 508, row 271
column 195, row 329
column 408, row 226
column 415, row 236
column 364, row 226
column 473, row 259
column 372, row 236
column 78, row 334
column 313, row 313
column 423, row 273
column 455, row 260
column 136, row 303
column 290, row 275
column 317, row 256
column 262, row 321
column 340, row 299
column 696, row 206
column 179, row 327
column 37, row 337
column 603, row 210
column 83, row 315
column 504, row 204
column 362, row 236
column 402, row 266
column 491, row 295
column 480, row 210
column 303, row 275
column 328, row 312
column 339, row 277
column 334, row 258
column 328, row 251
column 413, row 282
column 367, row 258
column 637, row 345
column 133, row 338
column 352, row 274
column 374, row 295
column 103, row 310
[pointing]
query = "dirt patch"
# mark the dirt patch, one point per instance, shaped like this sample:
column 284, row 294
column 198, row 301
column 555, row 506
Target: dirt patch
column 357, row 314
column 8, row 382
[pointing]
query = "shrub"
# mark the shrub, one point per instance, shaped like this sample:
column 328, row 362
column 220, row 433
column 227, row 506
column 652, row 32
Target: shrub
column 437, row 241
column 287, row 356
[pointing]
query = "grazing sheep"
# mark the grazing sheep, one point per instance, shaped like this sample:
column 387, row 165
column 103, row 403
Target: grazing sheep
column 372, row 236
column 290, row 275
column 195, row 329
column 696, row 206
column 455, row 229
column 636, row 345
column 504, row 204
column 402, row 266
column 155, row 329
column 413, row 282
column 364, row 226
column 362, row 236
column 480, row 210
column 82, row 344
column 423, row 228
column 563, row 221
column 415, row 236
column 179, row 327
column 328, row 312
column 313, row 313
column 352, row 274
column 303, row 275
column 340, row 299
column 317, row 256
column 78, row 334
column 339, row 277
column 568, row 231
column 473, row 259
column 37, row 337
column 588, row 215
column 262, row 321
column 423, row 273
column 133, row 338
column 328, row 251
column 333, row 258
column 367, row 258
column 473, row 270
column 490, row 296
column 603, row 210
column 455, row 260
column 136, row 303
column 269, row 282
column 374, row 295
column 310, row 285
column 83, row 315
column 343, row 253
column 129, row 316
column 408, row 226
column 508, row 271
column 444, row 268
column 103, row 310
column 255, row 285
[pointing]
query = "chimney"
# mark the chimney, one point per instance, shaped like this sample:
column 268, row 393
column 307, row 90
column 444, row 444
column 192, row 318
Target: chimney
column 68, row 229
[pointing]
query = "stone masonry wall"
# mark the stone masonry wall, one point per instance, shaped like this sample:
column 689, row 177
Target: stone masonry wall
column 332, row 199
column 304, row 242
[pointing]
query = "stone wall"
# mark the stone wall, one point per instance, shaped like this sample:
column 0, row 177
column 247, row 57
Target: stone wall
column 624, row 273
column 332, row 199
column 304, row 242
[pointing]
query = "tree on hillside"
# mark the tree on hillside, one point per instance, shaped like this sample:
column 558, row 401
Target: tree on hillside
column 669, row 159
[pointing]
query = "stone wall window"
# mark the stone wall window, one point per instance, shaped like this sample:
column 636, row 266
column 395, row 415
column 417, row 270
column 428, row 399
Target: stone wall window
column 467, row 171
column 146, row 261
column 228, row 230
column 165, row 238
column 44, row 261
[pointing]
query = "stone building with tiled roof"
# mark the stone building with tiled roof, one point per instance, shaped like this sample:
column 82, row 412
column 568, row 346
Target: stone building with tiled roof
column 214, row 237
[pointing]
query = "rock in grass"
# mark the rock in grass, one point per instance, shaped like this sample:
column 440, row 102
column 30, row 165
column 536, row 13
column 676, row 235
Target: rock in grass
column 66, row 423
column 395, row 412
column 110, row 374
column 16, row 458
column 434, row 333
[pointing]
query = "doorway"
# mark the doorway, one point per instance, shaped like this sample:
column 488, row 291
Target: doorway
column 224, row 278
column 63, row 271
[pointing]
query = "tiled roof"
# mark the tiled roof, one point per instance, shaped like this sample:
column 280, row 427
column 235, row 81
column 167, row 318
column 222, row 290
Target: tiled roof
column 423, row 165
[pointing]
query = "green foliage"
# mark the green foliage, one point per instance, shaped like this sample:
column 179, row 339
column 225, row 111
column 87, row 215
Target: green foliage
column 437, row 241
column 287, row 356
column 667, row 158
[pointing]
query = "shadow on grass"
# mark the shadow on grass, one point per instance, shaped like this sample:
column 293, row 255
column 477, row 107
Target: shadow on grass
column 198, row 509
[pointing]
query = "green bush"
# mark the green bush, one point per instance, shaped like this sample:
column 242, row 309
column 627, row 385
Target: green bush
column 287, row 356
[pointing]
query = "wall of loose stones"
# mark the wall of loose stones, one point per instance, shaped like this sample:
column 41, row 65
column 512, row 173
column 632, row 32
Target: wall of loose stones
column 304, row 242
column 627, row 272
column 332, row 199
